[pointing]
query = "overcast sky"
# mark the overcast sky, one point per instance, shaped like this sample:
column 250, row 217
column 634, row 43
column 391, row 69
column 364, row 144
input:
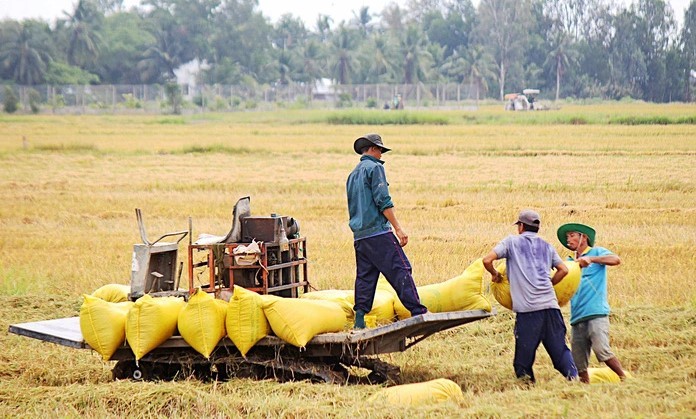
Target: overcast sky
column 308, row 10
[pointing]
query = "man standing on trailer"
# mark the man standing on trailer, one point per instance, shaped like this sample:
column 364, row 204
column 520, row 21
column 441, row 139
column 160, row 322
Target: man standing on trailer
column 377, row 249
column 589, row 307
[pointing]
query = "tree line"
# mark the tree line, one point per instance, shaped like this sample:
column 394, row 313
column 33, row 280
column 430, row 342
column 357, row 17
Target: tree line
column 566, row 48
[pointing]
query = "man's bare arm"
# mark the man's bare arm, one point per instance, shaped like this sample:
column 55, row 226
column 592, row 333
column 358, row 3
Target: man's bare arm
column 561, row 272
column 488, row 264
column 400, row 233
column 609, row 260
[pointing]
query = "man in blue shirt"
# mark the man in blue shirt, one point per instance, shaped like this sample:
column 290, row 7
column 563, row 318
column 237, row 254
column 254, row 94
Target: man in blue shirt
column 538, row 316
column 372, row 217
column 589, row 307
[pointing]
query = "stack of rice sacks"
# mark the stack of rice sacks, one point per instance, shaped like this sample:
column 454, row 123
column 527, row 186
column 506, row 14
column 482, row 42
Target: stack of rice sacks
column 108, row 319
column 463, row 292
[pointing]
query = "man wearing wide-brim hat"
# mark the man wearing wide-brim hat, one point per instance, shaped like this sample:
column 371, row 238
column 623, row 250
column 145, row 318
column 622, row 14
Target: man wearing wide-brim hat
column 372, row 217
column 589, row 306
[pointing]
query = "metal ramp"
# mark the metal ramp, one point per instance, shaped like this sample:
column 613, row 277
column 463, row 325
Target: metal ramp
column 328, row 357
column 393, row 337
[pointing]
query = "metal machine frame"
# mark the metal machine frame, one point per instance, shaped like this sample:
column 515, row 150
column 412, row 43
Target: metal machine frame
column 153, row 267
column 271, row 267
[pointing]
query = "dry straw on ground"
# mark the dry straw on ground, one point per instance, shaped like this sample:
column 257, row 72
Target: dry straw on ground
column 68, row 226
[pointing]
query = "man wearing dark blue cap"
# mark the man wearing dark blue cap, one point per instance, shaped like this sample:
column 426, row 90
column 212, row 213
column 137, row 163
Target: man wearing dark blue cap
column 372, row 218
column 589, row 307
column 538, row 316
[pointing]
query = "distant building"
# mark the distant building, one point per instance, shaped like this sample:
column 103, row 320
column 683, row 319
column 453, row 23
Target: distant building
column 188, row 73
column 324, row 89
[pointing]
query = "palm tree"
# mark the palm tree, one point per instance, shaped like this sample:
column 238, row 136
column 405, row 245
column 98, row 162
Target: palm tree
column 377, row 56
column 160, row 59
column 393, row 18
column 343, row 59
column 688, row 42
column 84, row 39
column 454, row 67
column 362, row 20
column 285, row 67
column 481, row 68
column 560, row 57
column 416, row 57
column 324, row 27
column 477, row 63
column 24, row 53
column 312, row 64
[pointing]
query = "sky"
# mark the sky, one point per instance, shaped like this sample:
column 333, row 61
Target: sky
column 308, row 10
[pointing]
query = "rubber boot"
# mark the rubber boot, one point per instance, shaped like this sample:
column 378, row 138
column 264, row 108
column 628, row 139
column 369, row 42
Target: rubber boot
column 359, row 320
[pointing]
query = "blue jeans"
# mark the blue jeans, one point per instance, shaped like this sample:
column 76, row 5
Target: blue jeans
column 547, row 327
column 383, row 254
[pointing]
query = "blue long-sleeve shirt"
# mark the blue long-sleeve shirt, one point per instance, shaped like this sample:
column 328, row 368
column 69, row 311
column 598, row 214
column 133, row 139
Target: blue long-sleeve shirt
column 368, row 197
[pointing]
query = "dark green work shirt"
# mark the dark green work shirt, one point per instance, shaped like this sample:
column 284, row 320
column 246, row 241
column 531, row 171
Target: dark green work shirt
column 368, row 197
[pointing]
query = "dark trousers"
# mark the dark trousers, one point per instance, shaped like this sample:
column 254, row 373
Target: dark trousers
column 383, row 254
column 547, row 327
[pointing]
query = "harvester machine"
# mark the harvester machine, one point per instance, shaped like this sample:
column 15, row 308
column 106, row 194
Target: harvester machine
column 525, row 101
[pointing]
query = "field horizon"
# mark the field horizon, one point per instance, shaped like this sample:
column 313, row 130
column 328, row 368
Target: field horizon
column 70, row 184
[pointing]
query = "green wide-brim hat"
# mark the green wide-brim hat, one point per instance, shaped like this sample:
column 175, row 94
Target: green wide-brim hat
column 580, row 228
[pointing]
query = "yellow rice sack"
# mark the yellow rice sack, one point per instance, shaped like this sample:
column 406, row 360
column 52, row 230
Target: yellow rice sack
column 570, row 283
column 103, row 324
column 501, row 290
column 463, row 292
column 245, row 322
column 399, row 309
column 341, row 297
column 384, row 285
column 297, row 321
column 202, row 322
column 151, row 321
column 114, row 293
column 268, row 297
column 564, row 289
column 419, row 394
column 604, row 375
column 382, row 305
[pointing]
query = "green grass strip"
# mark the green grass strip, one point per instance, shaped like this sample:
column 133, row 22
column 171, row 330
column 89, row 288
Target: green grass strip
column 355, row 117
